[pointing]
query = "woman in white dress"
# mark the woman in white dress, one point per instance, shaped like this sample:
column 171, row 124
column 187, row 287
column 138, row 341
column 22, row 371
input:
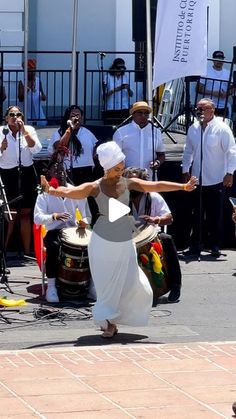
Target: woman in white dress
column 124, row 295
column 35, row 95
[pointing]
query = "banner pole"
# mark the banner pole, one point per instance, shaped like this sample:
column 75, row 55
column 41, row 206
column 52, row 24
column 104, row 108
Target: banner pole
column 149, row 54
column 73, row 67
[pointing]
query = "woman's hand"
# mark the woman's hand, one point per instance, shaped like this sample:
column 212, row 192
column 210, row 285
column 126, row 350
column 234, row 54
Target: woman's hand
column 4, row 145
column 191, row 184
column 21, row 125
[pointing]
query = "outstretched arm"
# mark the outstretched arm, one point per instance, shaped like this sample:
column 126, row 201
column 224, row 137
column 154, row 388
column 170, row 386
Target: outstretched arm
column 78, row 192
column 161, row 186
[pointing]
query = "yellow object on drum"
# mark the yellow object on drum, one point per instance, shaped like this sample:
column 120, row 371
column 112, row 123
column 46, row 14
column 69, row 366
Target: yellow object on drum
column 78, row 215
column 152, row 259
column 74, row 275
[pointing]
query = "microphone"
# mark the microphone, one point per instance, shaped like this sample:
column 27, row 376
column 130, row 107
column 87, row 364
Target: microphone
column 102, row 54
column 200, row 116
column 70, row 123
column 5, row 131
column 150, row 121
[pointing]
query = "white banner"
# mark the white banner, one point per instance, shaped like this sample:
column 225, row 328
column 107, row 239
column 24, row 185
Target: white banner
column 181, row 40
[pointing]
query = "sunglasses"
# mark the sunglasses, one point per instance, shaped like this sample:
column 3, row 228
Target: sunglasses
column 15, row 114
column 203, row 109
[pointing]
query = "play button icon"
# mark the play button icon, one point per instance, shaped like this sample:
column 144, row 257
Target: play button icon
column 113, row 223
column 116, row 210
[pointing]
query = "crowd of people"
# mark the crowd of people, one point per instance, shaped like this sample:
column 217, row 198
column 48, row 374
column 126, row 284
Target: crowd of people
column 130, row 163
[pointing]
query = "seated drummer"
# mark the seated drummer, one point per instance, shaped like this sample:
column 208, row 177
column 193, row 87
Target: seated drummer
column 151, row 208
column 56, row 213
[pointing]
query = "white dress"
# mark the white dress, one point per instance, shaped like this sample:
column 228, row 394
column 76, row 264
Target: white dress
column 35, row 109
column 124, row 295
column 118, row 100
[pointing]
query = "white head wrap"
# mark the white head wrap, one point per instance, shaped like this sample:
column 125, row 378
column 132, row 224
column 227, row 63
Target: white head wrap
column 109, row 155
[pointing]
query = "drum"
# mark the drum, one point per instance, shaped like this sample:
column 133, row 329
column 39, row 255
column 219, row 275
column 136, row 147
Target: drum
column 151, row 259
column 73, row 274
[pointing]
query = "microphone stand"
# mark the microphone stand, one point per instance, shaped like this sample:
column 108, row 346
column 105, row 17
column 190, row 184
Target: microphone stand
column 163, row 129
column 3, row 269
column 124, row 122
column 102, row 55
column 200, row 191
column 19, row 187
column 153, row 150
column 3, row 203
column 71, row 148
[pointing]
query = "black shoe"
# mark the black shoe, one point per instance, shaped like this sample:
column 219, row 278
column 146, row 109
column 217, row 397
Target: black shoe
column 193, row 251
column 173, row 296
column 215, row 251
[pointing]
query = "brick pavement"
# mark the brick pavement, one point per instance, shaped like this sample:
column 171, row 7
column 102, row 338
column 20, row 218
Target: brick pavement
column 184, row 381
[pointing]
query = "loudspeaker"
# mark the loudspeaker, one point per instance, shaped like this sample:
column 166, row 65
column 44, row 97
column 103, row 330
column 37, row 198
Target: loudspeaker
column 139, row 20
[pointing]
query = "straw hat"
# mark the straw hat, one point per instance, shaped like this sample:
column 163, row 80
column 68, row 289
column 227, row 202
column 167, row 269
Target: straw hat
column 140, row 106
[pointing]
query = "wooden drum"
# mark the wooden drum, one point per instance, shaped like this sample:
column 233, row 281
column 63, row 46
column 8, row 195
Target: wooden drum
column 74, row 275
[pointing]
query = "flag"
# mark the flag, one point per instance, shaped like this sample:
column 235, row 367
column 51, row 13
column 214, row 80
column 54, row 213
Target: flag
column 180, row 41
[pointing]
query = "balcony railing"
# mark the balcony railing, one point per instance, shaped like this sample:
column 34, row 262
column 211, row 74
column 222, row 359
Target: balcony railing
column 53, row 72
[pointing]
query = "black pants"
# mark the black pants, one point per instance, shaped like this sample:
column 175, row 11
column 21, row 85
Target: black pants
column 172, row 261
column 52, row 244
column 81, row 175
column 211, row 216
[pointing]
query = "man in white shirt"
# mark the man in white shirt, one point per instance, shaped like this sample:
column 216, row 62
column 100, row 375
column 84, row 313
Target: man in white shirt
column 56, row 213
column 210, row 154
column 141, row 141
column 215, row 85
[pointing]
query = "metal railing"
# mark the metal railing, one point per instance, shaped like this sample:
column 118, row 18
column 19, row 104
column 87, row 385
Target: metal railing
column 53, row 72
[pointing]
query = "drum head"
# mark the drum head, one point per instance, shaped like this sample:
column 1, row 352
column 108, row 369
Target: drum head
column 146, row 235
column 75, row 237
